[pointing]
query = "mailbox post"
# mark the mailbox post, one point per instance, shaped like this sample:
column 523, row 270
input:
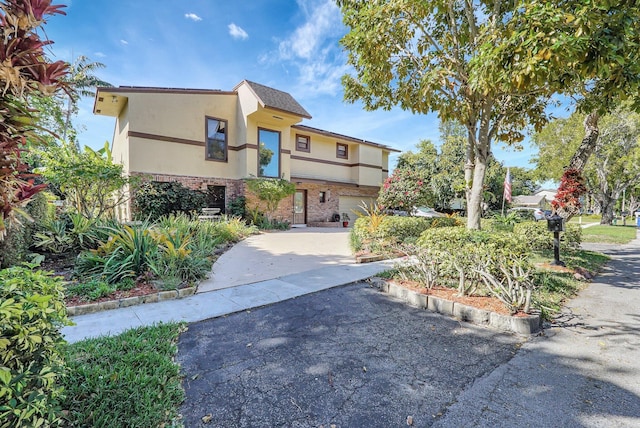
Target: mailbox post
column 555, row 224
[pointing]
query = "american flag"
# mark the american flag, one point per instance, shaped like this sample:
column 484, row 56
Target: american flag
column 507, row 186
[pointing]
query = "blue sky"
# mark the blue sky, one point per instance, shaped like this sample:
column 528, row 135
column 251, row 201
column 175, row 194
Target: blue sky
column 214, row 44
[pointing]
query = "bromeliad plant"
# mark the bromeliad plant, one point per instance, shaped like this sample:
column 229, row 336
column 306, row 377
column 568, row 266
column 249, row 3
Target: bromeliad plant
column 24, row 71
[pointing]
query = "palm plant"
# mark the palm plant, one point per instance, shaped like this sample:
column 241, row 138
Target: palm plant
column 82, row 81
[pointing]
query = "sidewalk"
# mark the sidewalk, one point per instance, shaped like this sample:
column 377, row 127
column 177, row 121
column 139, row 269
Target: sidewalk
column 583, row 372
column 220, row 302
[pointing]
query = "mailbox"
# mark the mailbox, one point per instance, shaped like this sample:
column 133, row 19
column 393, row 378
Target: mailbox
column 555, row 223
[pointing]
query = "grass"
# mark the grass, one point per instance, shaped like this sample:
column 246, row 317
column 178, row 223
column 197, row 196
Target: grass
column 555, row 287
column 126, row 380
column 609, row 234
column 587, row 218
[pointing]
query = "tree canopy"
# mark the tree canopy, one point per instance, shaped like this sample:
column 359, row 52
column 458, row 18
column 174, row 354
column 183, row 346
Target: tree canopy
column 491, row 65
column 615, row 166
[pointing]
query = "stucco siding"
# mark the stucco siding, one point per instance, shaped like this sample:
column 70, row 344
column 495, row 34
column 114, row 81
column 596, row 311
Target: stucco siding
column 120, row 145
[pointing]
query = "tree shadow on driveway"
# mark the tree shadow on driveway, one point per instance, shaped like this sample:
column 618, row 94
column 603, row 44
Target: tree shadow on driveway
column 349, row 356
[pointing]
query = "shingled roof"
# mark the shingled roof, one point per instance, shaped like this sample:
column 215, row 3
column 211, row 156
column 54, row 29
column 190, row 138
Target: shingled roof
column 275, row 99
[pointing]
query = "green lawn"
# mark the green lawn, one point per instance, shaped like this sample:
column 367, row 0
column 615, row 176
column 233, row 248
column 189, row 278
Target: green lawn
column 128, row 380
column 588, row 218
column 609, row 234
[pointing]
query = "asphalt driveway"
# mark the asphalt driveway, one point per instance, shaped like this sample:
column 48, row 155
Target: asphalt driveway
column 349, row 357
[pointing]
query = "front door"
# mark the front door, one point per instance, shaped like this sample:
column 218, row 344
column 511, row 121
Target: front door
column 300, row 207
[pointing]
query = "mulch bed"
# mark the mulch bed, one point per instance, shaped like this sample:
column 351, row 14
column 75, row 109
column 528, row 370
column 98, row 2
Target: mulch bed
column 139, row 290
column 486, row 303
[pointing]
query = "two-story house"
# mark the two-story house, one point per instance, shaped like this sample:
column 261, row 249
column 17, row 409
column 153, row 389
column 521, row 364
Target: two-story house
column 211, row 140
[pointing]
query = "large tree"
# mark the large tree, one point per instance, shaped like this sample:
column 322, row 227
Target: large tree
column 616, row 161
column 491, row 65
column 615, row 166
column 586, row 50
column 428, row 56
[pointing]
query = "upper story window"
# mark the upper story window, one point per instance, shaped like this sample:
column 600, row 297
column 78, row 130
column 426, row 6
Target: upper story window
column 303, row 143
column 342, row 151
column 269, row 153
column 216, row 144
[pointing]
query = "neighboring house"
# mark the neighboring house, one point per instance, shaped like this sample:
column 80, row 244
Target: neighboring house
column 533, row 201
column 211, row 140
column 549, row 195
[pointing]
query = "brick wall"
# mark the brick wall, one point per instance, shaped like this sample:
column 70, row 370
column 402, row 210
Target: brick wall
column 316, row 211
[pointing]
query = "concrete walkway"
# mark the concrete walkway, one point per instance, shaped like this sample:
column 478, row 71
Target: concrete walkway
column 256, row 275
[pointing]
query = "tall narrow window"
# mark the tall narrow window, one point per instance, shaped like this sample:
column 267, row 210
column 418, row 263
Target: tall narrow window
column 216, row 139
column 303, row 143
column 342, row 151
column 269, row 153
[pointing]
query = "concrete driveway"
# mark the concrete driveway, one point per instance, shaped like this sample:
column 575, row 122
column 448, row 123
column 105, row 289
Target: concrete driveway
column 276, row 254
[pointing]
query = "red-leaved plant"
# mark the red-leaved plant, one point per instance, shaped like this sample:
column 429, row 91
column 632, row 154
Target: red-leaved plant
column 24, row 71
column 567, row 201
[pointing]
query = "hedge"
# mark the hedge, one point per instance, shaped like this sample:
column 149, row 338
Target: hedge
column 395, row 229
column 537, row 237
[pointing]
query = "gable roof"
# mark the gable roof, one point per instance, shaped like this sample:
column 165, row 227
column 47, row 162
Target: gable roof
column 275, row 99
column 529, row 200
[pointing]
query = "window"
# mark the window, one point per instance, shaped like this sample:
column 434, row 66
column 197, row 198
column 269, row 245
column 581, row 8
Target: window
column 269, row 153
column 303, row 143
column 342, row 151
column 323, row 197
column 216, row 139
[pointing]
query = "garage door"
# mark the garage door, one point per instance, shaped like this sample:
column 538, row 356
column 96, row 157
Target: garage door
column 352, row 205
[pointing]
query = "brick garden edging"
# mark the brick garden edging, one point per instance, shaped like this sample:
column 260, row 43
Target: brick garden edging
column 529, row 324
column 160, row 296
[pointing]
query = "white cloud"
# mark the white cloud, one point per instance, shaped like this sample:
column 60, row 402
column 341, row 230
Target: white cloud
column 99, row 55
column 237, row 32
column 322, row 21
column 312, row 48
column 193, row 17
column 124, row 42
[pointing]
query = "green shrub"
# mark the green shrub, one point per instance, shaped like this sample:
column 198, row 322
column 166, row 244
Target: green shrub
column 32, row 311
column 383, row 230
column 126, row 254
column 13, row 248
column 238, row 207
column 156, row 199
column 90, row 290
column 53, row 238
column 470, row 256
column 20, row 235
column 537, row 236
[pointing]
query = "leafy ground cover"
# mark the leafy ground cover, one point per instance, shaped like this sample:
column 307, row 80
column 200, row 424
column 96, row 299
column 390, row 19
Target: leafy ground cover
column 555, row 285
column 609, row 234
column 125, row 380
column 114, row 260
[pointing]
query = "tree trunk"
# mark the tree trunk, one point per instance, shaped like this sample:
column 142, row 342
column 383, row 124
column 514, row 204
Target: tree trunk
column 579, row 160
column 468, row 167
column 588, row 144
column 474, row 211
column 607, row 203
